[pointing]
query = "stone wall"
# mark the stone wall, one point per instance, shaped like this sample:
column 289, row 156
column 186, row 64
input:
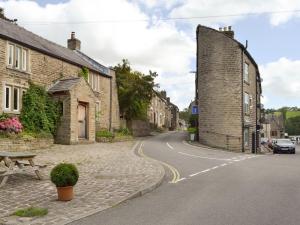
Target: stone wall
column 139, row 128
column 7, row 144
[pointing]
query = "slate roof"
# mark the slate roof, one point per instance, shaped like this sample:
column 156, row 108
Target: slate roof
column 64, row 85
column 19, row 35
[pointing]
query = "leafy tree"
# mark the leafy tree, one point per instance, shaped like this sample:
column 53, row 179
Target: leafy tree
column 135, row 90
column 293, row 125
column 184, row 115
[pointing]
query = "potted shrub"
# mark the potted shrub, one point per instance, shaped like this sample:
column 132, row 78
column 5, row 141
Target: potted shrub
column 192, row 131
column 64, row 176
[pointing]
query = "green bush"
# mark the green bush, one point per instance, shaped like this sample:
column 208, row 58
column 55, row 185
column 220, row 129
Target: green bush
column 104, row 133
column 64, row 175
column 192, row 130
column 39, row 112
column 4, row 116
column 123, row 132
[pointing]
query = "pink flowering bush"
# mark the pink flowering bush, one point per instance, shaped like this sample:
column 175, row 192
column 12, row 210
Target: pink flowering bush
column 11, row 125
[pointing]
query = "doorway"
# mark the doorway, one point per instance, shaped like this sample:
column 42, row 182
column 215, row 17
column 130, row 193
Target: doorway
column 82, row 123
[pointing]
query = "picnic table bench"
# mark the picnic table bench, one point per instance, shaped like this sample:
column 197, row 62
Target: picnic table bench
column 14, row 163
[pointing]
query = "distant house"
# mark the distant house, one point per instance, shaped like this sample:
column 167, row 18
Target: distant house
column 88, row 106
column 275, row 124
column 162, row 113
column 228, row 87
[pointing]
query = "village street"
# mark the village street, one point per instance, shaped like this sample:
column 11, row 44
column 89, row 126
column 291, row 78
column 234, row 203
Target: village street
column 211, row 187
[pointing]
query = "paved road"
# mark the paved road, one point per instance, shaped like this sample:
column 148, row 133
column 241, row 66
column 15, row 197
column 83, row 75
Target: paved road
column 206, row 187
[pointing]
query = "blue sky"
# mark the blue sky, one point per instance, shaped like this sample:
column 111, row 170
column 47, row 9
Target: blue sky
column 169, row 47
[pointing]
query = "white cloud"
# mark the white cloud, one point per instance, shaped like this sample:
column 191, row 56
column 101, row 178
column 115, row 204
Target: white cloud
column 281, row 79
column 159, row 47
column 202, row 8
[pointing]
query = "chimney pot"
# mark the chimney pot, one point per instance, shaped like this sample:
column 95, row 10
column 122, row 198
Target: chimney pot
column 74, row 43
column 229, row 28
column 225, row 28
column 220, row 29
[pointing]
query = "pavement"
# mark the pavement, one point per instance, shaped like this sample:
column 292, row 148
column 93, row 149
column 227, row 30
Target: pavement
column 211, row 187
column 110, row 173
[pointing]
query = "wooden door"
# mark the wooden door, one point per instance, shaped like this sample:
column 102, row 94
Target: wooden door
column 82, row 121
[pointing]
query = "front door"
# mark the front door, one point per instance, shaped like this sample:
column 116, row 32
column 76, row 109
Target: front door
column 81, row 121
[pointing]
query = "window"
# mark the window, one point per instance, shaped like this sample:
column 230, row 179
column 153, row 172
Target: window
column 246, row 103
column 97, row 111
column 10, row 55
column 274, row 133
column 16, row 97
column 7, row 97
column 12, row 99
column 246, row 136
column 246, row 72
column 17, row 57
column 24, row 59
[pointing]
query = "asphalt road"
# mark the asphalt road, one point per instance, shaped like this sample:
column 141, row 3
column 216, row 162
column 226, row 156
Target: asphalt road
column 207, row 187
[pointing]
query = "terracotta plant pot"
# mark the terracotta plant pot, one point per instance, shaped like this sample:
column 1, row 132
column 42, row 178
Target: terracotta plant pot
column 65, row 193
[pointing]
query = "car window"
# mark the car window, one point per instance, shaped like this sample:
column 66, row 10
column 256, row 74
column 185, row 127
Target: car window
column 284, row 142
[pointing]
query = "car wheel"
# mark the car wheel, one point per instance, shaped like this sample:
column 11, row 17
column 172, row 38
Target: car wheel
column 274, row 151
column 293, row 152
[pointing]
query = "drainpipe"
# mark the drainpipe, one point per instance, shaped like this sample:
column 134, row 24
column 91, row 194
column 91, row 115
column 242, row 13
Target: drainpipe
column 243, row 144
column 110, row 106
column 256, row 133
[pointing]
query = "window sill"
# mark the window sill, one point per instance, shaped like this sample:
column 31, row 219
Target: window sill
column 12, row 112
column 18, row 70
column 247, row 82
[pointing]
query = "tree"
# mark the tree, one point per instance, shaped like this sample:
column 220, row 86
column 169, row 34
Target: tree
column 184, row 115
column 135, row 90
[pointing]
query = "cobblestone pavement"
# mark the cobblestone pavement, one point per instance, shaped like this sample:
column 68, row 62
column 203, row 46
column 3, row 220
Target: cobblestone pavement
column 109, row 174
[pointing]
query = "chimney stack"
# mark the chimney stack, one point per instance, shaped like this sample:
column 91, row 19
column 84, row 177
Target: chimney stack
column 73, row 42
column 227, row 31
column 164, row 94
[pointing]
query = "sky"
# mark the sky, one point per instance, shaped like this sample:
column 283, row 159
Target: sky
column 138, row 30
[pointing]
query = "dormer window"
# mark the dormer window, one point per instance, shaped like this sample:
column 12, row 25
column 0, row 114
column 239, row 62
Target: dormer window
column 17, row 57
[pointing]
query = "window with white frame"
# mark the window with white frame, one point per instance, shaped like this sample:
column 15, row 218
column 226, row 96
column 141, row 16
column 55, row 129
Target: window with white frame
column 12, row 98
column 246, row 103
column 17, row 57
column 97, row 105
column 10, row 60
column 94, row 81
column 246, row 72
column 246, row 136
column 7, row 101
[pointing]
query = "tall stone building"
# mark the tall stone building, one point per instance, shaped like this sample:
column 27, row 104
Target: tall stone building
column 88, row 105
column 228, row 87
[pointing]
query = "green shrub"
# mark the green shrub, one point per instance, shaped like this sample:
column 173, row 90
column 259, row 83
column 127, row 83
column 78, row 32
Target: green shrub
column 39, row 112
column 4, row 116
column 104, row 133
column 192, row 130
column 31, row 212
column 64, row 175
column 123, row 132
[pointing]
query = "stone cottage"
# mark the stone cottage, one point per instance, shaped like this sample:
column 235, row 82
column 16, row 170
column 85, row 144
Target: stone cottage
column 228, row 87
column 162, row 113
column 88, row 105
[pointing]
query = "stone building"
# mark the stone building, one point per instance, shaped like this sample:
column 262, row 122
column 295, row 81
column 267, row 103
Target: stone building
column 274, row 126
column 162, row 113
column 87, row 105
column 228, row 87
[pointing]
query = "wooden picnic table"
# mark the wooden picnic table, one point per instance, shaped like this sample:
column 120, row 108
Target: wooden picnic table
column 14, row 163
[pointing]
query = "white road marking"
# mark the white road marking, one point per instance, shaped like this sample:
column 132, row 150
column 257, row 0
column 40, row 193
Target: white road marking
column 170, row 146
column 202, row 157
column 225, row 164
column 181, row 179
column 216, row 167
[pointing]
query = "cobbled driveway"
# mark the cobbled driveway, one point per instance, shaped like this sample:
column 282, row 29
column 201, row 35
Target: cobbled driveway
column 109, row 174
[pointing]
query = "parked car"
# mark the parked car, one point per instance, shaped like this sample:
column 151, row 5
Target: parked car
column 284, row 145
